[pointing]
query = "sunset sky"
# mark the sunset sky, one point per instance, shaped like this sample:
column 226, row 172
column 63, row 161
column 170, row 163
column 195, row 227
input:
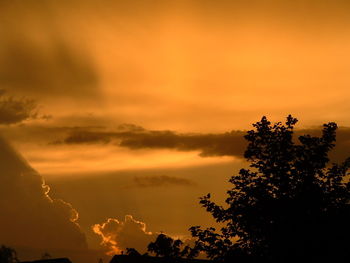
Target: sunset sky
column 132, row 110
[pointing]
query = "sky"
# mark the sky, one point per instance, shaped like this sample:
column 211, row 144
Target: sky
column 116, row 116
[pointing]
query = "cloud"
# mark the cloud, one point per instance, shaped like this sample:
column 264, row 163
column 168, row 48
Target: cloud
column 220, row 144
column 208, row 144
column 118, row 235
column 88, row 137
column 14, row 110
column 161, row 181
column 45, row 69
column 29, row 216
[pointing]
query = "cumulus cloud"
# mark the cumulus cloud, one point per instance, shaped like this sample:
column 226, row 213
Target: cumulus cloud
column 15, row 110
column 29, row 216
column 161, row 181
column 118, row 235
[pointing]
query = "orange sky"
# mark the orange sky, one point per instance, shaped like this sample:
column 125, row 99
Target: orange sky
column 189, row 67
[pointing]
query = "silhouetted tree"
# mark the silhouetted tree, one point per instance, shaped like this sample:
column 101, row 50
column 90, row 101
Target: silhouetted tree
column 45, row 256
column 291, row 205
column 165, row 246
column 8, row 255
column 132, row 252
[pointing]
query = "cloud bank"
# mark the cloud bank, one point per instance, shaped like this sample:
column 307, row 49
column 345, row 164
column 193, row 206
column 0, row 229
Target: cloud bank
column 221, row 144
column 117, row 235
column 29, row 217
column 230, row 143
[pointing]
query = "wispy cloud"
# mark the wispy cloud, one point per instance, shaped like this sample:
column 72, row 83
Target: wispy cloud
column 161, row 181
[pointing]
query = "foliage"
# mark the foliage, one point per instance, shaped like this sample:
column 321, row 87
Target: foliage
column 132, row 252
column 290, row 205
column 165, row 246
column 8, row 255
column 46, row 256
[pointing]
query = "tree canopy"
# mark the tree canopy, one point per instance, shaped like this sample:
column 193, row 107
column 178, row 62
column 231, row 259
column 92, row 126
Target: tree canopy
column 8, row 255
column 165, row 246
column 291, row 204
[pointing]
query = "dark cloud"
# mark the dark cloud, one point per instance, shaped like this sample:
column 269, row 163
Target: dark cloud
column 41, row 132
column 29, row 216
column 88, row 137
column 15, row 110
column 221, row 144
column 129, row 127
column 161, row 181
column 208, row 144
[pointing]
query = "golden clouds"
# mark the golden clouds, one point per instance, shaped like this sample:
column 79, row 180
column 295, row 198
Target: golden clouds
column 189, row 73
column 117, row 235
column 189, row 65
column 74, row 150
column 187, row 70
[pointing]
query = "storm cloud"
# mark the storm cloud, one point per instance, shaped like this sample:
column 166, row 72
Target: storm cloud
column 29, row 216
